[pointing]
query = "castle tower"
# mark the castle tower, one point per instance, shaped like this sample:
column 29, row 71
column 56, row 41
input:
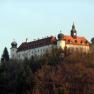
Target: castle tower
column 73, row 31
column 61, row 41
column 13, row 50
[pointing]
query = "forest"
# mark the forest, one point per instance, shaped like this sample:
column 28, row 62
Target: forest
column 49, row 74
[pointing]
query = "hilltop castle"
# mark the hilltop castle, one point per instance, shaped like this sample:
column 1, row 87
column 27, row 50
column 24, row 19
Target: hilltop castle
column 73, row 42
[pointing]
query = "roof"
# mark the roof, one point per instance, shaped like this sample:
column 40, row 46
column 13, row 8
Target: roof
column 76, row 41
column 38, row 43
column 52, row 40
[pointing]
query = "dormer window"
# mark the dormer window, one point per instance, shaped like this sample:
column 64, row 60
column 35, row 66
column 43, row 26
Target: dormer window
column 68, row 41
column 81, row 42
column 75, row 41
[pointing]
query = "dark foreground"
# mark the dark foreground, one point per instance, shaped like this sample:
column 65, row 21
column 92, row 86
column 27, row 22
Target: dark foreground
column 51, row 74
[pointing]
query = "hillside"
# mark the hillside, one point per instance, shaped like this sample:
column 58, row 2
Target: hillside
column 73, row 74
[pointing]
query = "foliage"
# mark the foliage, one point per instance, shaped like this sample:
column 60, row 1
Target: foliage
column 73, row 74
column 15, row 78
column 5, row 56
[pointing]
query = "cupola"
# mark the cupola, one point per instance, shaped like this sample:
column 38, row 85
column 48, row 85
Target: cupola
column 60, row 35
column 14, row 44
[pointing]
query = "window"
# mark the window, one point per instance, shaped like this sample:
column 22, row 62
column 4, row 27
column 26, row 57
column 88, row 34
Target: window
column 68, row 41
column 13, row 56
column 47, row 49
column 75, row 41
column 29, row 54
column 76, row 49
column 19, row 56
column 38, row 50
column 81, row 42
column 32, row 52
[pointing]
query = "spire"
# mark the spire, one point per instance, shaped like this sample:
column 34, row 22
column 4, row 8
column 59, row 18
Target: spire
column 73, row 31
column 60, row 31
column 26, row 39
column 73, row 26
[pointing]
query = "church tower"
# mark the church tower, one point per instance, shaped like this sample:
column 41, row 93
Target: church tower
column 13, row 50
column 73, row 31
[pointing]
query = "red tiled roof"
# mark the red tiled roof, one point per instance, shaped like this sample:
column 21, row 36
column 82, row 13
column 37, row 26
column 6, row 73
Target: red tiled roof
column 76, row 41
column 52, row 40
column 38, row 43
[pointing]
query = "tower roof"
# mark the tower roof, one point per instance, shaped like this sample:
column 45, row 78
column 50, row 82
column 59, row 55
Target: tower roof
column 38, row 43
column 73, row 26
column 60, row 35
column 73, row 31
column 14, row 43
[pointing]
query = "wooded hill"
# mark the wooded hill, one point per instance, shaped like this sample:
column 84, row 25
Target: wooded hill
column 51, row 74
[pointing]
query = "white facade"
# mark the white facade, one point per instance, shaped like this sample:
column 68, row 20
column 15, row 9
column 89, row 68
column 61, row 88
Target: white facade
column 61, row 44
column 34, row 52
column 78, row 48
column 13, row 50
column 14, row 53
column 37, row 52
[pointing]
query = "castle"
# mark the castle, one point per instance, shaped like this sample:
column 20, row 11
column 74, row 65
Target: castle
column 73, row 42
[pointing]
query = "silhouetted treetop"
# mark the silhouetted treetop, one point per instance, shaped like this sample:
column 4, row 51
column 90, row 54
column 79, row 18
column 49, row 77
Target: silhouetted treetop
column 5, row 56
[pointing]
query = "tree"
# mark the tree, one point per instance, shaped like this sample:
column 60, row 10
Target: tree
column 5, row 56
column 92, row 40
